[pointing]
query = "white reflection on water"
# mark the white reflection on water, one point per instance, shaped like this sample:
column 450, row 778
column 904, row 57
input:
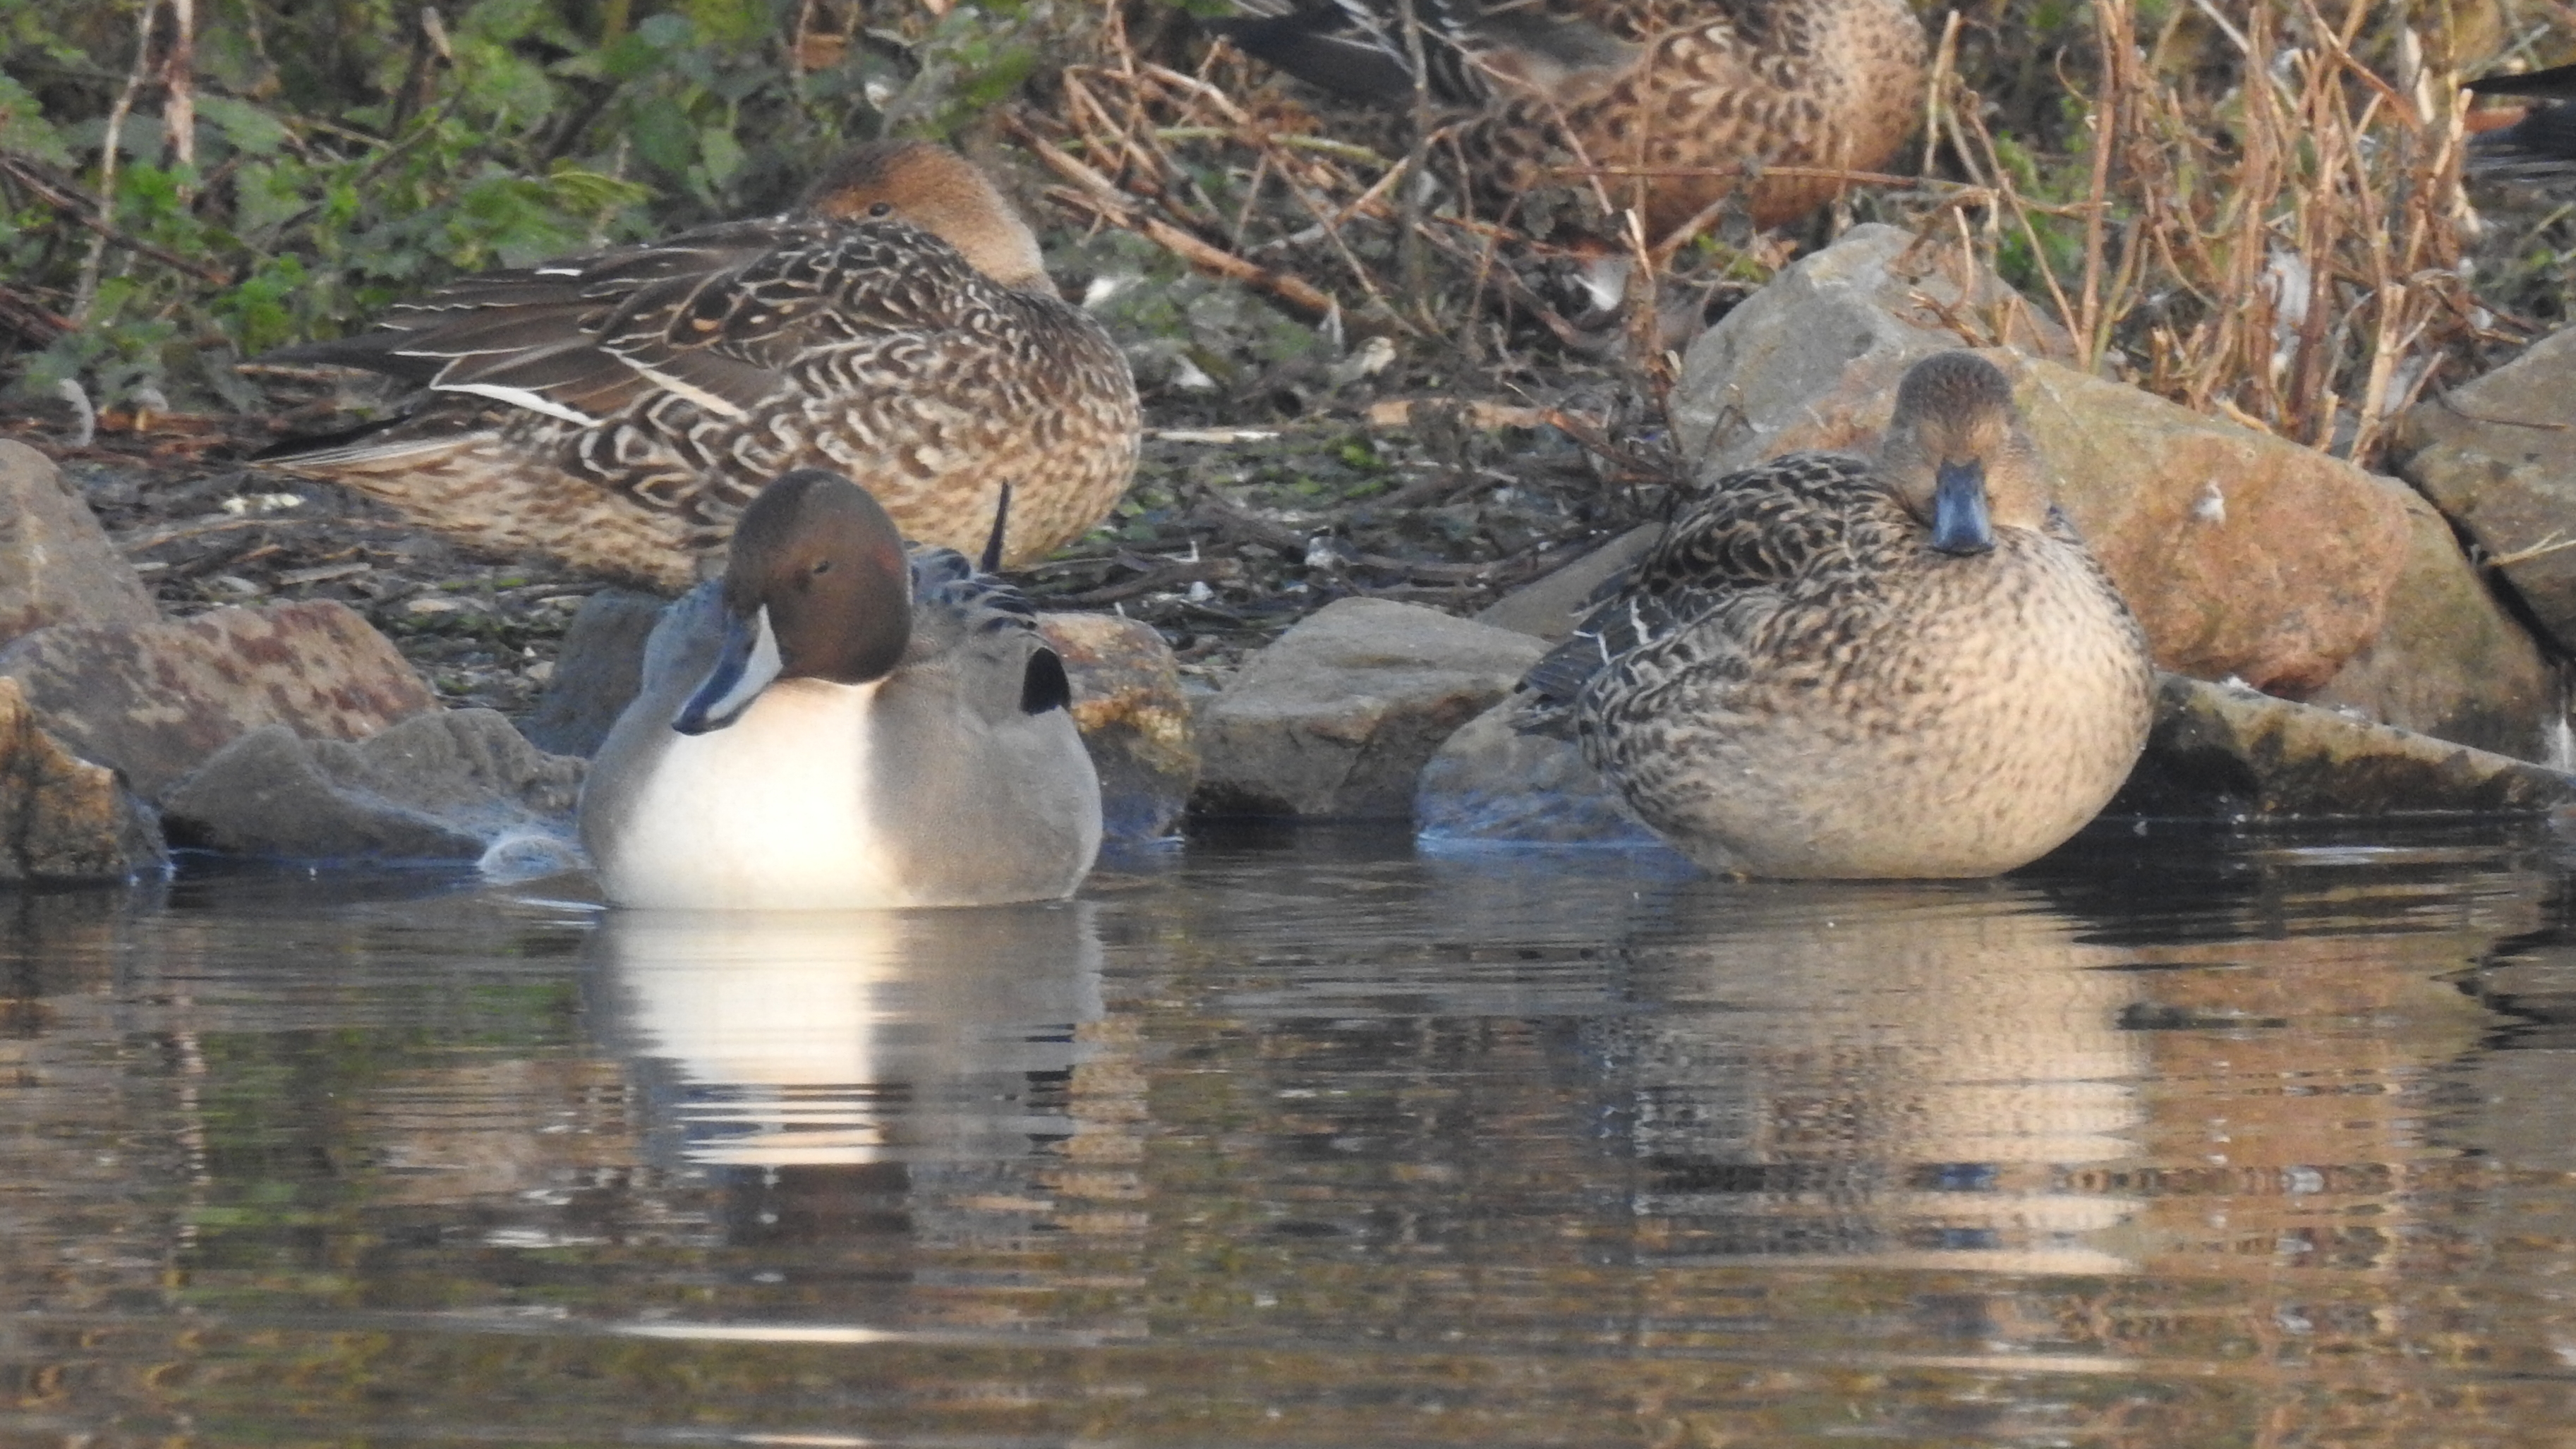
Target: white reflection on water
column 818, row 1038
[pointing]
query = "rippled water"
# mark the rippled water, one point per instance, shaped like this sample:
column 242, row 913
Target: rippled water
column 1311, row 1140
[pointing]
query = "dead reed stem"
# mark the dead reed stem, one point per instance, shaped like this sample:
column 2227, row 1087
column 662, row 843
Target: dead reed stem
column 2282, row 246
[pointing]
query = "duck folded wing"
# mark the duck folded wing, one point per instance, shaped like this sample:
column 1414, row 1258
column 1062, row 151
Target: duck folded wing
column 717, row 316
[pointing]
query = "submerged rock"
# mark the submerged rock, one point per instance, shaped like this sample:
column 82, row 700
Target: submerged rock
column 155, row 700
column 61, row 817
column 1337, row 718
column 2225, row 751
column 1128, row 705
column 1490, row 782
column 440, row 786
column 56, row 564
column 2498, row 458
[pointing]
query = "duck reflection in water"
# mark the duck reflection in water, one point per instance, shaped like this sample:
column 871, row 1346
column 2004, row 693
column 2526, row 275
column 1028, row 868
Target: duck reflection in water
column 1904, row 1076
column 850, row 1073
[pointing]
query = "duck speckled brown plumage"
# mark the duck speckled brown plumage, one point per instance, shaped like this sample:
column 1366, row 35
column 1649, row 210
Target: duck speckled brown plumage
column 1640, row 89
column 617, row 410
column 1907, row 667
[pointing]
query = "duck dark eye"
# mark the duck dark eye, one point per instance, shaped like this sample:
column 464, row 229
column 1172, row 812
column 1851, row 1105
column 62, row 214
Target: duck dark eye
column 882, row 208
column 822, row 566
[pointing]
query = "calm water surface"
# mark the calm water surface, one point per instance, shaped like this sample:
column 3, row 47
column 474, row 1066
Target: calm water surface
column 1311, row 1140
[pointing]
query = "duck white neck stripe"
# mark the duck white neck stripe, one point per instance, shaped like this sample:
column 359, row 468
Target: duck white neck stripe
column 758, row 673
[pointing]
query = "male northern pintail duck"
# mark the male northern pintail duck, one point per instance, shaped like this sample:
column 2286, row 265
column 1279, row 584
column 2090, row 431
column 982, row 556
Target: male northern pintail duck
column 1832, row 666
column 837, row 724
column 616, row 410
column 1681, row 96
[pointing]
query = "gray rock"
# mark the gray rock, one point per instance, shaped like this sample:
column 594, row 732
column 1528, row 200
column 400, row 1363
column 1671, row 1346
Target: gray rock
column 598, row 669
column 56, row 564
column 2450, row 661
column 447, row 785
column 1548, row 607
column 2497, row 457
column 1128, row 704
column 1490, row 782
column 1873, row 297
column 61, row 817
column 155, row 700
column 1337, row 717
column 2233, row 752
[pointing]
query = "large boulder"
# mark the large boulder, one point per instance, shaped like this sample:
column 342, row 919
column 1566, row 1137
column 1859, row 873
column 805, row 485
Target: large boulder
column 1128, row 704
column 61, row 817
column 1876, row 300
column 2498, row 458
column 1337, row 717
column 446, row 785
column 56, row 564
column 2450, row 661
column 2244, row 555
column 155, row 700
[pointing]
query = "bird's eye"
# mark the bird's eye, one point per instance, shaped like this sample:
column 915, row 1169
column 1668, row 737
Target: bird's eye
column 882, row 208
column 822, row 566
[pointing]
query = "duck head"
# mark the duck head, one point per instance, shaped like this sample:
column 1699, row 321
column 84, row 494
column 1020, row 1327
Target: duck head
column 816, row 586
column 940, row 192
column 1956, row 456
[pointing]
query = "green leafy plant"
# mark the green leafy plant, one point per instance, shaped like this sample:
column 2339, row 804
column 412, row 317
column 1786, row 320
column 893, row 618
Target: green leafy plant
column 289, row 169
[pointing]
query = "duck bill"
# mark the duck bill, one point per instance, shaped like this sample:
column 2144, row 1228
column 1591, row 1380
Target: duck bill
column 745, row 665
column 1960, row 522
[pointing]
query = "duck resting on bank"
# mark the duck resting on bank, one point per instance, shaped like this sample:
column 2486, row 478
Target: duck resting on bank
column 837, row 723
column 616, row 410
column 1844, row 667
column 1671, row 100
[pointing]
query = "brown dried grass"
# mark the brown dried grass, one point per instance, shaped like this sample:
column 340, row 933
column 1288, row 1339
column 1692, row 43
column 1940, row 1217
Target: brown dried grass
column 2284, row 248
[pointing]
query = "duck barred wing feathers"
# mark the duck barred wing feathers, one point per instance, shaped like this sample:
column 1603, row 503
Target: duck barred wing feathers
column 1772, row 537
column 957, row 610
column 719, row 316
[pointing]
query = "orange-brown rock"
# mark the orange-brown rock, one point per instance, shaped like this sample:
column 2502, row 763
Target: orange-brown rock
column 1127, row 702
column 155, row 700
column 61, row 817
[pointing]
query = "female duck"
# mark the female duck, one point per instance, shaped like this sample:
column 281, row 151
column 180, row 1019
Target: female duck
column 1641, row 93
column 835, row 724
column 616, row 410
column 1836, row 667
